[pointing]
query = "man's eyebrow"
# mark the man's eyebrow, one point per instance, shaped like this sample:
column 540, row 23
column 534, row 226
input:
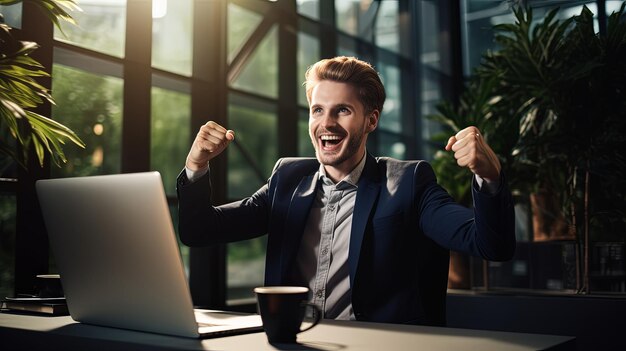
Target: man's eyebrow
column 350, row 106
column 334, row 107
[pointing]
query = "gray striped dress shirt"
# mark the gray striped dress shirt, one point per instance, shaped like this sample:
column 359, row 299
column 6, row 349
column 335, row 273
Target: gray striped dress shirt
column 322, row 260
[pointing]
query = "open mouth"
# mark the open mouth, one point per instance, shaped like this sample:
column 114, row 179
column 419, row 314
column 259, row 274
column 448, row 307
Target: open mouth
column 330, row 141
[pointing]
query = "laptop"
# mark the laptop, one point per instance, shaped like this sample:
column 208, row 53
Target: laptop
column 117, row 254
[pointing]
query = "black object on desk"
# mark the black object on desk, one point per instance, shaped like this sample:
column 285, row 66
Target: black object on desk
column 54, row 306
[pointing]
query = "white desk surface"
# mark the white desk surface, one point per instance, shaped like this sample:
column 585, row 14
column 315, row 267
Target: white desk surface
column 20, row 331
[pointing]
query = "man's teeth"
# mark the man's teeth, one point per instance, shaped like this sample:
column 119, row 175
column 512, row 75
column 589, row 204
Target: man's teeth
column 330, row 137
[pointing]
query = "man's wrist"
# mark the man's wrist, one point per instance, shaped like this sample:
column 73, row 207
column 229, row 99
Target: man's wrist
column 195, row 174
column 487, row 186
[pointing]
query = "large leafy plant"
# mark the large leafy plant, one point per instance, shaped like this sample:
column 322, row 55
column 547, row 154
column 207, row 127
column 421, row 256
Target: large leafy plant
column 477, row 106
column 552, row 102
column 20, row 93
column 566, row 85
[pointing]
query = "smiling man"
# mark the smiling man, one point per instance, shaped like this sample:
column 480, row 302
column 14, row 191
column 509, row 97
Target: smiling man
column 338, row 126
column 370, row 236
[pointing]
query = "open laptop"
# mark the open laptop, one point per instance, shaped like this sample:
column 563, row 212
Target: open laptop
column 116, row 251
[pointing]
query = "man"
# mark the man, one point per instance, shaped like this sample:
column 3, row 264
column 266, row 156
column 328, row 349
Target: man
column 369, row 236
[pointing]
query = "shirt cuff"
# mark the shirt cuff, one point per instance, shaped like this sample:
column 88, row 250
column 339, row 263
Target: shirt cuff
column 192, row 176
column 488, row 187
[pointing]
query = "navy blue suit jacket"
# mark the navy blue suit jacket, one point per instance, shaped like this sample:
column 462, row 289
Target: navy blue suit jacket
column 403, row 226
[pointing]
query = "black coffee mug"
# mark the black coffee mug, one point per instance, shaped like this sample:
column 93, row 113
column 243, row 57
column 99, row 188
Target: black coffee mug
column 282, row 310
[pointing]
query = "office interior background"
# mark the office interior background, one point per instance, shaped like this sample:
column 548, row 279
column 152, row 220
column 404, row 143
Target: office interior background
column 136, row 78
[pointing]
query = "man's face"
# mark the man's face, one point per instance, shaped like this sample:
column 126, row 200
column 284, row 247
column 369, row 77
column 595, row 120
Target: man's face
column 338, row 125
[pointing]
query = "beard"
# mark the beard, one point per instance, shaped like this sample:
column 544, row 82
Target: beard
column 337, row 158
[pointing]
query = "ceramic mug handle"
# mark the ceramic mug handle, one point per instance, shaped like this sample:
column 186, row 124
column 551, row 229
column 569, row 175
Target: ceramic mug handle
column 317, row 315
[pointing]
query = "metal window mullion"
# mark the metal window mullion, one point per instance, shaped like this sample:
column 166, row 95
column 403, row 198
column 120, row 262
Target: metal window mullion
column 287, row 79
column 209, row 101
column 31, row 241
column 137, row 87
column 328, row 29
column 411, row 96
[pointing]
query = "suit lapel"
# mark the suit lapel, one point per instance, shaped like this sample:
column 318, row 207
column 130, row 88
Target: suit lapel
column 367, row 194
column 299, row 208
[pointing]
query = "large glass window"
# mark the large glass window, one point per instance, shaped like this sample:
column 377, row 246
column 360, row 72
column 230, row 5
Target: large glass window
column 392, row 145
column 255, row 149
column 169, row 138
column 251, row 158
column 12, row 15
column 347, row 46
column 253, row 56
column 431, row 71
column 541, row 262
column 172, row 35
column 309, row 8
column 260, row 74
column 357, row 17
column 91, row 105
column 390, row 119
column 88, row 86
column 101, row 27
column 387, row 26
column 241, row 25
column 308, row 54
column 479, row 17
column 305, row 146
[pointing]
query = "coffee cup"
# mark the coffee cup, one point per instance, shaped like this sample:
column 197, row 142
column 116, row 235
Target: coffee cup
column 282, row 310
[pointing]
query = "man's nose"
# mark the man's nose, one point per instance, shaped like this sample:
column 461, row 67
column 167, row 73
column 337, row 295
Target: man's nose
column 328, row 119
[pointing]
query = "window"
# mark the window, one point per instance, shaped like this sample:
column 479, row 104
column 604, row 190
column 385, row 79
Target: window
column 172, row 35
column 543, row 263
column 101, row 27
column 308, row 54
column 260, row 74
column 309, row 8
column 170, row 132
column 237, row 62
column 255, row 152
column 91, row 105
column 94, row 93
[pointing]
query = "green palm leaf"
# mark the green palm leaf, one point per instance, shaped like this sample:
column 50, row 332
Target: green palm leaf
column 20, row 92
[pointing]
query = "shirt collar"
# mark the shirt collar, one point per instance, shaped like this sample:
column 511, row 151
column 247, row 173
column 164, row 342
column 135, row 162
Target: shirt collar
column 352, row 178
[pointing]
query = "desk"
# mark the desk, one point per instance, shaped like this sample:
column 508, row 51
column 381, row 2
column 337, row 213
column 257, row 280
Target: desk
column 29, row 332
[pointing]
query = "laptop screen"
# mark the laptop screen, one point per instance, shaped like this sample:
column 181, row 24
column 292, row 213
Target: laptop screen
column 116, row 251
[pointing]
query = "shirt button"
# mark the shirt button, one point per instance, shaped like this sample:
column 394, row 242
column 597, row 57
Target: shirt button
column 320, row 293
column 325, row 251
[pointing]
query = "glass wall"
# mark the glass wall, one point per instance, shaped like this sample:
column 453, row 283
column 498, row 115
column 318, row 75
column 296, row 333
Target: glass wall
column 564, row 264
column 91, row 105
column 101, row 27
column 170, row 132
column 90, row 90
column 172, row 35
column 410, row 43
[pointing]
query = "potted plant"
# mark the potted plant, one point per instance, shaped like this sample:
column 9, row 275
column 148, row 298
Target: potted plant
column 20, row 93
column 552, row 103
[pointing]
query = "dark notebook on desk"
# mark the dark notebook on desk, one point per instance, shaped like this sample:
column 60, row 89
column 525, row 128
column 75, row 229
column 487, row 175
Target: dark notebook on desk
column 54, row 306
column 116, row 251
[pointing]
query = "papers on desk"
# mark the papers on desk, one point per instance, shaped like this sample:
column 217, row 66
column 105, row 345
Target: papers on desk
column 54, row 306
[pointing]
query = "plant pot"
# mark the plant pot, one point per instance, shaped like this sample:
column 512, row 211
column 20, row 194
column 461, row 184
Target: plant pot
column 548, row 220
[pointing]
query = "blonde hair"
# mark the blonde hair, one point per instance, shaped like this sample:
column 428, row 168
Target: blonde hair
column 351, row 70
